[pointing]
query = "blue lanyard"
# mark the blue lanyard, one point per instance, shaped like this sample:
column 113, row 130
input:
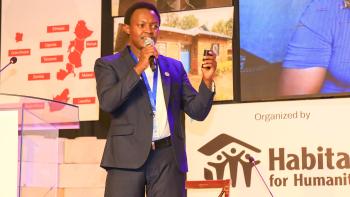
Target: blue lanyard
column 152, row 94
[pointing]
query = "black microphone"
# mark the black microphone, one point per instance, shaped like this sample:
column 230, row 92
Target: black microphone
column 152, row 59
column 252, row 160
column 13, row 60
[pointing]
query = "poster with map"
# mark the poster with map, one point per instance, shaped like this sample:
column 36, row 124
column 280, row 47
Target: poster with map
column 56, row 44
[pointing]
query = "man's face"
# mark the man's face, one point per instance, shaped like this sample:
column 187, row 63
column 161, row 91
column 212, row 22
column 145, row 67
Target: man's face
column 143, row 23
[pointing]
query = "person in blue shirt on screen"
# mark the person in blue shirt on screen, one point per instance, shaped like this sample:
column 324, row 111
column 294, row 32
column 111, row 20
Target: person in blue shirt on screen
column 318, row 55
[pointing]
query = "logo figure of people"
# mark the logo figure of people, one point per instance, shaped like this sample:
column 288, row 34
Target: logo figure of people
column 232, row 159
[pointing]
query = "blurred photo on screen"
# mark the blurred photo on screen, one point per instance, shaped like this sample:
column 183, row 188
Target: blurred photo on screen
column 119, row 6
column 185, row 35
column 294, row 49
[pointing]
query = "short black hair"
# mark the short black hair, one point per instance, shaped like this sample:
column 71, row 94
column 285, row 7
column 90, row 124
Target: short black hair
column 139, row 5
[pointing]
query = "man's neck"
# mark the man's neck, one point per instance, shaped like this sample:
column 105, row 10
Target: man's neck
column 135, row 51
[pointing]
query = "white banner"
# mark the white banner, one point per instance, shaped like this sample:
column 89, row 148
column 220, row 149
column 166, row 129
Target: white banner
column 56, row 44
column 301, row 148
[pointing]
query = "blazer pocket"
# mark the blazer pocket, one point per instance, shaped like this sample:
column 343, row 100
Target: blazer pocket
column 121, row 129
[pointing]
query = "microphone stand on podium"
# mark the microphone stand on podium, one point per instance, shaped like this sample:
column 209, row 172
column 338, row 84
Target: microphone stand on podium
column 252, row 160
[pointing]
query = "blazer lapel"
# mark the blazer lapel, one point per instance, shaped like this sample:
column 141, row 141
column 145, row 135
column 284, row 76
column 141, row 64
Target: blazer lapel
column 166, row 80
column 130, row 63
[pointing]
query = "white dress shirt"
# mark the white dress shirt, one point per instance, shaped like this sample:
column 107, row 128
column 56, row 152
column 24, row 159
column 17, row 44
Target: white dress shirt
column 160, row 123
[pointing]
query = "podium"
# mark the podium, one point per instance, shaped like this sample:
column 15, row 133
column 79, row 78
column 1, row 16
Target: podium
column 205, row 184
column 29, row 143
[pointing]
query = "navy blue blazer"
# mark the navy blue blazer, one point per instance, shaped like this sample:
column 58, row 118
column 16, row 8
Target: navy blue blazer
column 123, row 94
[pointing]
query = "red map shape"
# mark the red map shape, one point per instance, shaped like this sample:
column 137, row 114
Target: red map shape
column 19, row 37
column 75, row 49
column 63, row 97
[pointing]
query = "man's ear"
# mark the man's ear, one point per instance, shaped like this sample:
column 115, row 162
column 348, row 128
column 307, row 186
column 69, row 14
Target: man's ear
column 126, row 29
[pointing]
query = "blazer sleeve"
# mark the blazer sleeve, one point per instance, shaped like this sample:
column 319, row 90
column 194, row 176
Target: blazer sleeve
column 197, row 105
column 113, row 85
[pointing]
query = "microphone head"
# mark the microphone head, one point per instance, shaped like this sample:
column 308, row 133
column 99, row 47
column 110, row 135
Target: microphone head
column 13, row 60
column 251, row 159
column 148, row 41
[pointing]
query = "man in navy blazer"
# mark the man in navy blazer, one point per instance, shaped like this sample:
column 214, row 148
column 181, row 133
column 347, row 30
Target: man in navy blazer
column 145, row 148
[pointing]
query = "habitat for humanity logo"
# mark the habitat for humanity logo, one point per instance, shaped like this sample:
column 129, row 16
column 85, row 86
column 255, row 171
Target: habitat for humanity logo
column 238, row 154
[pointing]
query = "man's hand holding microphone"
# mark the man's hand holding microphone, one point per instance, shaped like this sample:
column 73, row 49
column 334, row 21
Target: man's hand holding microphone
column 148, row 56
